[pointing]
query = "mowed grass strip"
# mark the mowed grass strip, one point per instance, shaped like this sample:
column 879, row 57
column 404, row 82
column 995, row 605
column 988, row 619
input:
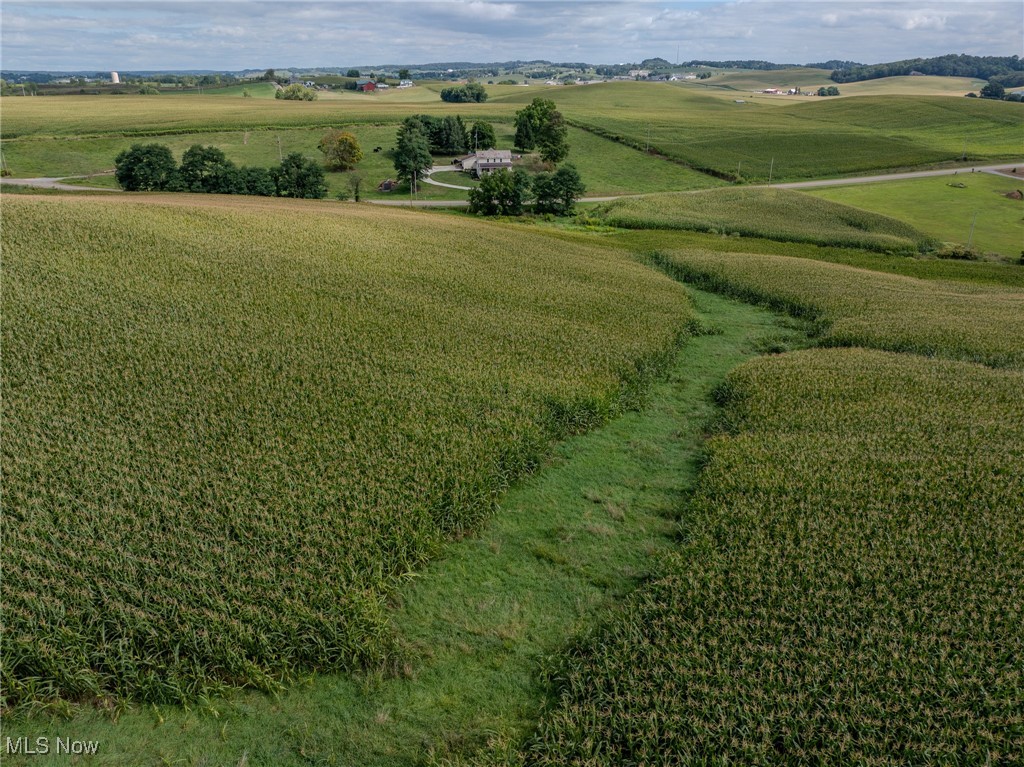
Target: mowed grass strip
column 775, row 214
column 858, row 307
column 848, row 588
column 231, row 426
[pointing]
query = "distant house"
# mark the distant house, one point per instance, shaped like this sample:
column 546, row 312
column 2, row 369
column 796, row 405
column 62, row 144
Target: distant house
column 406, row 84
column 366, row 86
column 772, row 91
column 486, row 161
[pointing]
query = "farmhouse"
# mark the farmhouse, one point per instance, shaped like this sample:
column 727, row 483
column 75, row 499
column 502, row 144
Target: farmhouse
column 486, row 161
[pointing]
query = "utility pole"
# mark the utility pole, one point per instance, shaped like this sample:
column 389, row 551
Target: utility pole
column 973, row 222
column 770, row 171
column 648, row 149
column 963, row 154
column 279, row 157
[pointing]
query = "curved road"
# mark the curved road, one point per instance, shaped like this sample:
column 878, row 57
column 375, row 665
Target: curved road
column 1002, row 169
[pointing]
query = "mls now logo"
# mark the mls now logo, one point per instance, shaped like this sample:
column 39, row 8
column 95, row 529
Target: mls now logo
column 43, row 745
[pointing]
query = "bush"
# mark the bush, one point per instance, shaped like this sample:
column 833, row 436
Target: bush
column 296, row 92
column 145, row 168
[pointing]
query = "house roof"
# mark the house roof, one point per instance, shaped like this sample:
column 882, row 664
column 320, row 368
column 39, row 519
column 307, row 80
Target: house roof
column 494, row 155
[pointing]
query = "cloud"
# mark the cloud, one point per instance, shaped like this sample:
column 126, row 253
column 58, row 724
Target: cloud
column 237, row 34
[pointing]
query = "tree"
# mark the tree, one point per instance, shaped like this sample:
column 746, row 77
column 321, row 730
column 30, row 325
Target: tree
column 481, row 136
column 352, row 73
column 501, row 193
column 300, row 177
column 558, row 192
column 145, row 168
column 296, row 92
column 403, row 74
column 355, row 181
column 257, row 181
column 412, row 151
column 474, row 92
column 270, row 75
column 993, row 90
column 206, row 169
column 539, row 125
column 341, row 149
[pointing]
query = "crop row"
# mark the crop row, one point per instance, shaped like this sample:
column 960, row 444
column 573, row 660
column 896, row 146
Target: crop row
column 848, row 590
column 858, row 307
column 232, row 426
column 775, row 214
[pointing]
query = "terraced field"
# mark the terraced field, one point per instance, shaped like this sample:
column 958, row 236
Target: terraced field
column 775, row 214
column 232, row 426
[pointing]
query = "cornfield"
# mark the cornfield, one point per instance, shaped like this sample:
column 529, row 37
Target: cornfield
column 848, row 590
column 231, row 427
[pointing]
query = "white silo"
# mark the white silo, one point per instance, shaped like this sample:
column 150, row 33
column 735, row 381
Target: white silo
column 115, row 78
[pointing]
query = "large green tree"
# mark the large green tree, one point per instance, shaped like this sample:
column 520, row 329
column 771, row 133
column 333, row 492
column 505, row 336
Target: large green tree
column 298, row 176
column 539, row 125
column 558, row 192
column 482, row 136
column 206, row 169
column 341, row 149
column 502, row 193
column 145, row 168
column 412, row 151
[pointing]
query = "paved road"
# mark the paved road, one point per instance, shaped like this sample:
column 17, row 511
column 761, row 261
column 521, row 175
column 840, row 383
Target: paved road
column 52, row 183
column 1003, row 169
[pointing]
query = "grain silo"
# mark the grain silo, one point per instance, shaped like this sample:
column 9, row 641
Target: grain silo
column 115, row 78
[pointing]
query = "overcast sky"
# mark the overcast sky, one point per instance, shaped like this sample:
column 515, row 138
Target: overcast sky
column 240, row 34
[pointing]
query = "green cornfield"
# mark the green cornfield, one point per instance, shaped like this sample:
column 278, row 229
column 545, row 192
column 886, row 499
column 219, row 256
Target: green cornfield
column 231, row 427
column 859, row 307
column 847, row 590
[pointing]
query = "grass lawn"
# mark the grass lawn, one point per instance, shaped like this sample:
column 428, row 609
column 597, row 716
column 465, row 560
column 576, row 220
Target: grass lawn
column 939, row 208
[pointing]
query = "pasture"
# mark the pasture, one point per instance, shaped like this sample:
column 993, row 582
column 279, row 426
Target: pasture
column 946, row 210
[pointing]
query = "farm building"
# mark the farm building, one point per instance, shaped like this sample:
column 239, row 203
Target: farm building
column 366, row 86
column 486, row 161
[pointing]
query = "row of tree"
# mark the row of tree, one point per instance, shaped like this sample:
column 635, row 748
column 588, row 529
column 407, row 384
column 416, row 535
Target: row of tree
column 507, row 193
column 982, row 67
column 473, row 92
column 422, row 136
column 152, row 168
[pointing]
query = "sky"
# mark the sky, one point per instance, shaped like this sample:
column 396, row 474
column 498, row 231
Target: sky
column 105, row 35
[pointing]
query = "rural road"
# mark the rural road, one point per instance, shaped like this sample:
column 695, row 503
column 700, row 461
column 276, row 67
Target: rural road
column 1002, row 169
column 52, row 183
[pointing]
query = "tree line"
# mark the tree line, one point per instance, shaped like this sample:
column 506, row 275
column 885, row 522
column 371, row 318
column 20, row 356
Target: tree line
column 1007, row 70
column 205, row 169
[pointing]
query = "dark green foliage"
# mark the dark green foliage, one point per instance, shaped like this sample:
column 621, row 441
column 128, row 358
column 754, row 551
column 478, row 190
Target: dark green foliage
column 298, row 176
column 558, row 192
column 352, row 73
column 206, row 169
column 501, row 193
column 984, row 67
column 145, row 168
column 258, row 181
column 481, row 136
column 540, row 126
column 848, row 587
column 412, row 151
column 829, row 91
column 993, row 90
column 473, row 92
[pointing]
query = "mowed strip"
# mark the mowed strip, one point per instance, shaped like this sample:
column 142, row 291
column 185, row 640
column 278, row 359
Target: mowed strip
column 231, row 426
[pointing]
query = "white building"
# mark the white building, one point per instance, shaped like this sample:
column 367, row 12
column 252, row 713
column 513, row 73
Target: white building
column 115, row 78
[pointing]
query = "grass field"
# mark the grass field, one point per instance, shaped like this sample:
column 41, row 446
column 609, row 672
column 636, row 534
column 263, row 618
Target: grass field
column 845, row 591
column 606, row 167
column 858, row 307
column 232, row 426
column 947, row 212
column 775, row 214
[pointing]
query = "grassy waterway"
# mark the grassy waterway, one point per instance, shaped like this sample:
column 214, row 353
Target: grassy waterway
column 480, row 620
